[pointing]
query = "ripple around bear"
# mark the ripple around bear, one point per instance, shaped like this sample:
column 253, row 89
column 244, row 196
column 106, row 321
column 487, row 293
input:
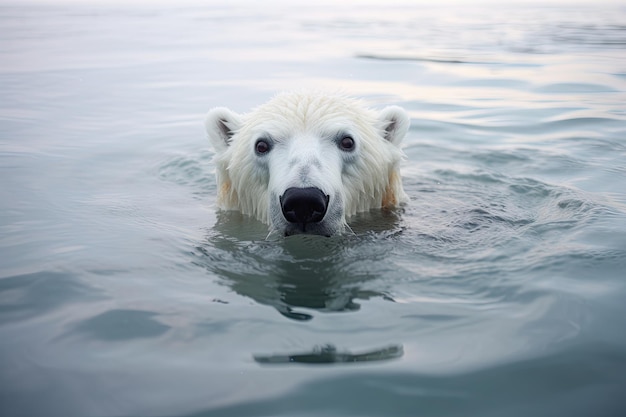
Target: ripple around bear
column 305, row 162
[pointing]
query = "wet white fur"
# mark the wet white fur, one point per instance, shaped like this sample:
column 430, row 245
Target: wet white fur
column 303, row 129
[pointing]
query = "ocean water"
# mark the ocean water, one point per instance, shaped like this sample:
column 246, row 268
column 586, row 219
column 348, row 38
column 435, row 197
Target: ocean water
column 499, row 290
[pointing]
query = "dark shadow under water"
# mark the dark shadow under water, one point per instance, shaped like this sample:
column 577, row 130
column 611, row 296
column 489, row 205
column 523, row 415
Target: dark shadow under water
column 302, row 274
column 298, row 272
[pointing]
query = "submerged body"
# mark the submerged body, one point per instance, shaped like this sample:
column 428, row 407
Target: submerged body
column 306, row 162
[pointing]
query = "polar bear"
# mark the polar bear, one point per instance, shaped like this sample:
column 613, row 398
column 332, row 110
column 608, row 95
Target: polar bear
column 304, row 162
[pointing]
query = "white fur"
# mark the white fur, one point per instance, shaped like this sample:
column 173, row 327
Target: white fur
column 303, row 130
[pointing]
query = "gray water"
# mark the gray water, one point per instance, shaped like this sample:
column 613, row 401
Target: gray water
column 498, row 291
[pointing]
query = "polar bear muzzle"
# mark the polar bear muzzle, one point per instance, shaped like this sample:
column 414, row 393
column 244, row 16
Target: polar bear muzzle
column 301, row 206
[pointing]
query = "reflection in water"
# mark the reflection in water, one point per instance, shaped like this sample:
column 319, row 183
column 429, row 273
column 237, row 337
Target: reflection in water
column 329, row 354
column 299, row 272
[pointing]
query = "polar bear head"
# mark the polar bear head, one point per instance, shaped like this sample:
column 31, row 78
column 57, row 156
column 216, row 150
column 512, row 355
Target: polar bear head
column 305, row 162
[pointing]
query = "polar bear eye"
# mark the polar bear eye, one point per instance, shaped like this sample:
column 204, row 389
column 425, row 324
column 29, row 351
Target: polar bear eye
column 346, row 143
column 262, row 146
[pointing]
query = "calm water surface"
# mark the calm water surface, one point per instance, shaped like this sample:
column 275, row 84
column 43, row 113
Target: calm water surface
column 498, row 291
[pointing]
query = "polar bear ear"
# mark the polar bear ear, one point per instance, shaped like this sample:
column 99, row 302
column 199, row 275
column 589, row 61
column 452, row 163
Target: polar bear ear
column 396, row 122
column 221, row 124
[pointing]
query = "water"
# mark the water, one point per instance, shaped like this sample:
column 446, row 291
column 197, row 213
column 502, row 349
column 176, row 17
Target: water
column 498, row 291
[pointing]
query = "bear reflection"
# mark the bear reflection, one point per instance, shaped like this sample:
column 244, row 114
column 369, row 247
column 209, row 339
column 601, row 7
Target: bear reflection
column 301, row 272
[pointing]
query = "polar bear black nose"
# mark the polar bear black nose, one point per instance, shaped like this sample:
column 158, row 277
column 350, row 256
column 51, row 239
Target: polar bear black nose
column 304, row 205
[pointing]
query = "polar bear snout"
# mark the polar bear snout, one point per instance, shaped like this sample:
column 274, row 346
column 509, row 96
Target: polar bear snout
column 304, row 205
